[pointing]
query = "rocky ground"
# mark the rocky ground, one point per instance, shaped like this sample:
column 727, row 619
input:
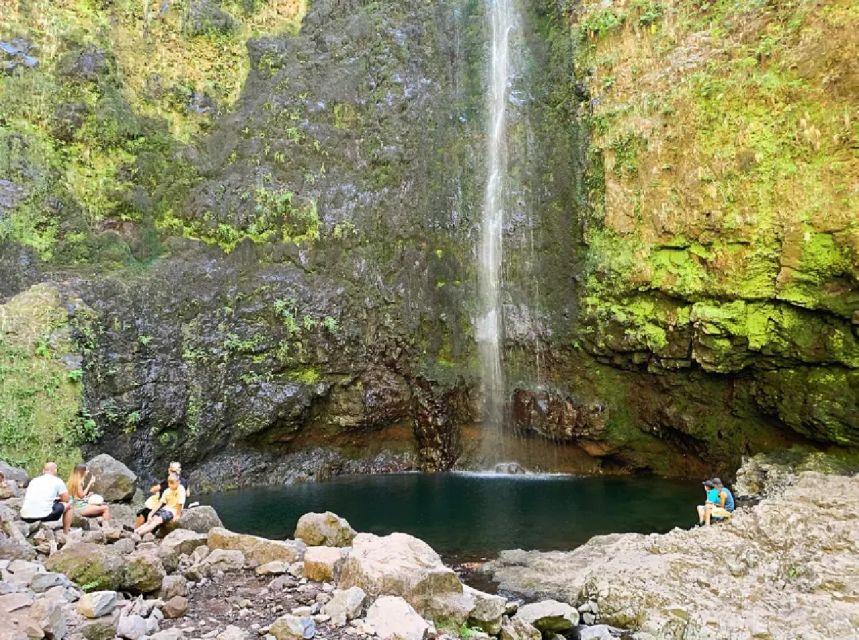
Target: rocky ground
column 200, row 580
column 786, row 568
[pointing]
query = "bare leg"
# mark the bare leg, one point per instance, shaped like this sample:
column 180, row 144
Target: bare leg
column 700, row 514
column 94, row 511
column 67, row 518
column 708, row 510
column 149, row 526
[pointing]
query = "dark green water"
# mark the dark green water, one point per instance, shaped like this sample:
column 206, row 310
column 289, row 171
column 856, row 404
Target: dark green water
column 468, row 515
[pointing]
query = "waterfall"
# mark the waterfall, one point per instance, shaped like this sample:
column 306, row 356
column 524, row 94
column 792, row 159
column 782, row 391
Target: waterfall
column 490, row 330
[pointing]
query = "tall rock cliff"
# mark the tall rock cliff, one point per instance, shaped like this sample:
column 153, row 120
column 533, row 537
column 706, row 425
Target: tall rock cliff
column 257, row 222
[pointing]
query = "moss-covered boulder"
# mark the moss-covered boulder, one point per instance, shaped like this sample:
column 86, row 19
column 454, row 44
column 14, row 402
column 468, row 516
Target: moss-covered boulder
column 93, row 567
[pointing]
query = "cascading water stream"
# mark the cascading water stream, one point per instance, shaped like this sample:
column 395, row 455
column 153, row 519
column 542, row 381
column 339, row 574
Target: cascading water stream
column 490, row 329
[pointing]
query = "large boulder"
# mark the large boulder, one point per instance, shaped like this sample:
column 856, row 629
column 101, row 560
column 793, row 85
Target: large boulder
column 13, row 543
column 549, row 616
column 324, row 529
column 19, row 475
column 44, row 618
column 402, row 565
column 179, row 542
column 144, row 572
column 201, row 519
column 257, row 550
column 323, row 564
column 345, row 605
column 92, row 566
column 392, row 618
column 225, row 560
column 113, row 480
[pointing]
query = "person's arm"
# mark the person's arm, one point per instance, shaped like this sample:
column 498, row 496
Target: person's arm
column 183, row 496
column 723, row 497
column 63, row 497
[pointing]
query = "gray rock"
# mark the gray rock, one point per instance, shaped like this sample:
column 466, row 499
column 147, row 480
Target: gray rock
column 223, row 560
column 17, row 474
column 599, row 632
column 50, row 616
column 22, row 572
column 323, row 564
column 487, row 612
column 174, row 585
column 392, row 618
column 100, row 628
column 549, row 616
column 273, row 568
column 232, row 633
column 97, row 604
column 324, row 529
column 131, row 627
column 400, row 564
column 200, row 519
column 256, row 550
column 345, row 605
column 206, row 17
column 113, row 480
column 170, row 634
column 175, row 607
column 48, row 580
column 17, row 600
column 144, row 572
column 517, row 629
column 17, row 53
column 291, row 627
column 179, row 542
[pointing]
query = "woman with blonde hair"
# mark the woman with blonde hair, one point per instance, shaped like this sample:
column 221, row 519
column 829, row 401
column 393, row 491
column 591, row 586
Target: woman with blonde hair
column 83, row 501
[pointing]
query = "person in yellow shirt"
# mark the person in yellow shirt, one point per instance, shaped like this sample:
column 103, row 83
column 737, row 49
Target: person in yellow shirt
column 170, row 508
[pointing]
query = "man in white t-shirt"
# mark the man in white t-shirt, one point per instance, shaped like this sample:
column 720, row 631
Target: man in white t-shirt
column 47, row 499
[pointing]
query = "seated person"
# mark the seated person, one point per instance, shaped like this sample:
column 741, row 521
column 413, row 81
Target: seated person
column 47, row 499
column 80, row 495
column 712, row 498
column 724, row 507
column 157, row 491
column 171, row 503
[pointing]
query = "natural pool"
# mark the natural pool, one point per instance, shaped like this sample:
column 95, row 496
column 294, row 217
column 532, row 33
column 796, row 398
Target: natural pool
column 469, row 516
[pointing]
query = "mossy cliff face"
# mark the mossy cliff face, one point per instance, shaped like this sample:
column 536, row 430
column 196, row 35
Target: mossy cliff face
column 721, row 240
column 271, row 216
column 260, row 221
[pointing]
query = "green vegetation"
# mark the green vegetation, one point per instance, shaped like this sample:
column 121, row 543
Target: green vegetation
column 92, row 138
column 727, row 176
column 41, row 414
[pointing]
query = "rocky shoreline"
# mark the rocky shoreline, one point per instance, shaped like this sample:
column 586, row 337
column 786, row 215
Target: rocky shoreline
column 201, row 580
column 785, row 568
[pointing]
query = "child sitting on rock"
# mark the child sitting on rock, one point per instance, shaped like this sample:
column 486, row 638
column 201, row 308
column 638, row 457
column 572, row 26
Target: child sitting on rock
column 170, row 508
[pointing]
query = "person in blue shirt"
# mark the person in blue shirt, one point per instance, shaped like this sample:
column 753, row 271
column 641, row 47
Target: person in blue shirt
column 723, row 507
column 711, row 500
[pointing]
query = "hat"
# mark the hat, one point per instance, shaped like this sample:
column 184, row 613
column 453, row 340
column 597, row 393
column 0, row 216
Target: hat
column 716, row 481
column 707, row 483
